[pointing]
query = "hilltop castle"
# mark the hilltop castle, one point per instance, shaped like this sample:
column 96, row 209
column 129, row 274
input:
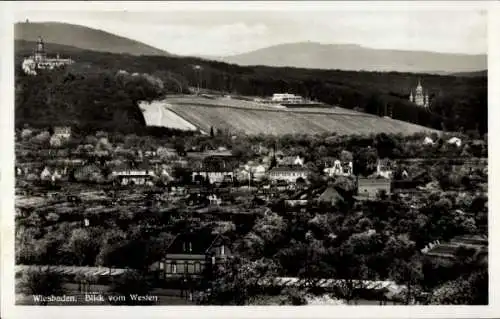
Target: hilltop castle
column 39, row 60
column 419, row 98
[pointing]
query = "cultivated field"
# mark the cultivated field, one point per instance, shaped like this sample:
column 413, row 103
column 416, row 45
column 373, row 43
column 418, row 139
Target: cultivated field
column 155, row 114
column 255, row 118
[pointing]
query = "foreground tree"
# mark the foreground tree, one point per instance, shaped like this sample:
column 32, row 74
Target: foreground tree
column 239, row 280
column 41, row 283
column 472, row 290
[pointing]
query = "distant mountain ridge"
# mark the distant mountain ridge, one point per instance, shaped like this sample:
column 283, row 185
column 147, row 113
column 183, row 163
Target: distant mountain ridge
column 354, row 57
column 82, row 37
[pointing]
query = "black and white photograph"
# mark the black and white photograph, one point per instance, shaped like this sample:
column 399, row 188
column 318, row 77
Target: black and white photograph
column 250, row 157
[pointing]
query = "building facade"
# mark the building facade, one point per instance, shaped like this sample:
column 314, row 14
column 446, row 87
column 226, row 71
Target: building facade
column 384, row 168
column 191, row 254
column 288, row 174
column 339, row 169
column 214, row 170
column 62, row 132
column 287, row 98
column 141, row 175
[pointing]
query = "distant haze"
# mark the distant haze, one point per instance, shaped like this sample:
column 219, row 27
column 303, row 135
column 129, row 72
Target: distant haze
column 352, row 57
column 225, row 33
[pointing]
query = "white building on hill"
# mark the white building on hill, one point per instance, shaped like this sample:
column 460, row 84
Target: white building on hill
column 39, row 60
column 287, row 98
column 339, row 169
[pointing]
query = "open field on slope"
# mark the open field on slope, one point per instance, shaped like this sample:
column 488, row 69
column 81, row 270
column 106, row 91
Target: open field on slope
column 156, row 114
column 238, row 103
column 222, row 114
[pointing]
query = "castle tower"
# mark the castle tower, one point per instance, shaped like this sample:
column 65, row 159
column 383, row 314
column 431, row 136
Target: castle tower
column 40, row 50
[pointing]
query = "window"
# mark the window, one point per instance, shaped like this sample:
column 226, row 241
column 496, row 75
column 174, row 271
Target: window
column 186, row 265
column 173, row 267
column 222, row 250
column 197, row 268
column 190, row 247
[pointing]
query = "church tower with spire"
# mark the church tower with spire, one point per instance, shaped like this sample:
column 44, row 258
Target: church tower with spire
column 420, row 98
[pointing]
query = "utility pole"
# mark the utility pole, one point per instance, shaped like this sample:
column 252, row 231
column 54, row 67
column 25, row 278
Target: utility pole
column 198, row 69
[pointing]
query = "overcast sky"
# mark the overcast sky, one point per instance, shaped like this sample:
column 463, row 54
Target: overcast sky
column 232, row 32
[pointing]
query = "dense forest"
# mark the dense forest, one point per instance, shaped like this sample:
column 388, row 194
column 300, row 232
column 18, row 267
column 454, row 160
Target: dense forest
column 90, row 92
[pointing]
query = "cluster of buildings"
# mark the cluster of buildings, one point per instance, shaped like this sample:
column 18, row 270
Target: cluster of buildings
column 214, row 168
column 40, row 61
column 290, row 170
column 217, row 167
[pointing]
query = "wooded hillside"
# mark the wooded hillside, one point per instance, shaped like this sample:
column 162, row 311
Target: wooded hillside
column 457, row 103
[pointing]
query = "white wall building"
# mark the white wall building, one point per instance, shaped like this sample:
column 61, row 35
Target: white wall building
column 384, row 168
column 339, row 169
column 287, row 98
column 288, row 174
column 456, row 141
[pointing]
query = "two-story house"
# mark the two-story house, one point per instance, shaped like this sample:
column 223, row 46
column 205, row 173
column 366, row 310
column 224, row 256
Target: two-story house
column 214, row 170
column 193, row 254
column 128, row 175
column 290, row 174
column 384, row 168
column 63, row 132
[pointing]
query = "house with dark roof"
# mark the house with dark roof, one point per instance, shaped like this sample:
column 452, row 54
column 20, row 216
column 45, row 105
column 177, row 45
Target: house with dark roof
column 291, row 161
column 193, row 254
column 330, row 196
column 214, row 170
